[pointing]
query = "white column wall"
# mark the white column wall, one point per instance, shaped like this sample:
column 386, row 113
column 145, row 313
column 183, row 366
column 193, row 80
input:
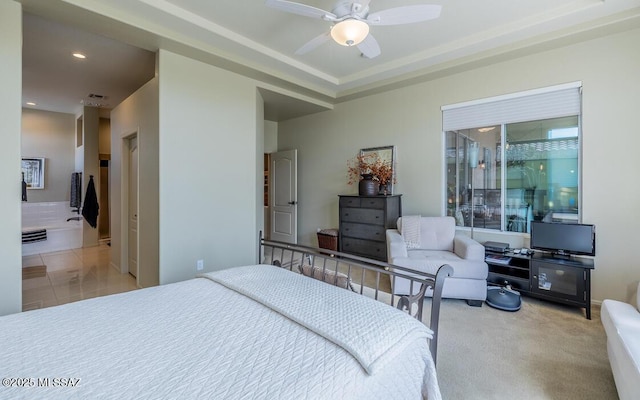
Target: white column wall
column 91, row 166
column 208, row 143
column 138, row 114
column 10, row 198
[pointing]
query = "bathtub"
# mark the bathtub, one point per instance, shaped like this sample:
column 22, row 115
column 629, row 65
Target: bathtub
column 52, row 216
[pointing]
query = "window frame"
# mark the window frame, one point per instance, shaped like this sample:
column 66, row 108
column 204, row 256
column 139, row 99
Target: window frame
column 520, row 97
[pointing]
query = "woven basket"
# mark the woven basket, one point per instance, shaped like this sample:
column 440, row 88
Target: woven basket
column 328, row 239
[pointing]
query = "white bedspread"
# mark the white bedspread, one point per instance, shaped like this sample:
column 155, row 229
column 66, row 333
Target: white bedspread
column 192, row 340
column 372, row 332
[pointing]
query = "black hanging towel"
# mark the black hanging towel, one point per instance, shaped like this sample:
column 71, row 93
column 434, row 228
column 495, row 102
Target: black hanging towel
column 24, row 189
column 91, row 206
column 75, row 197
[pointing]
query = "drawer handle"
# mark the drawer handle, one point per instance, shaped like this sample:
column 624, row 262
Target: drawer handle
column 346, row 214
column 346, row 229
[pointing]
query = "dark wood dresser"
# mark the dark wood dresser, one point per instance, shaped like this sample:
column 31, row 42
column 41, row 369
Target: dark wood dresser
column 363, row 224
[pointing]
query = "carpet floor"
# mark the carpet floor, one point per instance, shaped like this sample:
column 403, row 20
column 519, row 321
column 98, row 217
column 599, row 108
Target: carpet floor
column 543, row 351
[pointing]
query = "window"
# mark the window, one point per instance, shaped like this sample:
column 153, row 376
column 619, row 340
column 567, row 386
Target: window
column 534, row 176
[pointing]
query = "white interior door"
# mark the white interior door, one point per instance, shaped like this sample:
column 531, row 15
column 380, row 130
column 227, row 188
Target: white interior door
column 133, row 207
column 284, row 196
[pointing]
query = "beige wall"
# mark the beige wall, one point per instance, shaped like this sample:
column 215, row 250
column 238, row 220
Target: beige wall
column 104, row 141
column 50, row 135
column 270, row 137
column 208, row 167
column 270, row 146
column 10, row 100
column 410, row 118
column 138, row 115
column 261, row 128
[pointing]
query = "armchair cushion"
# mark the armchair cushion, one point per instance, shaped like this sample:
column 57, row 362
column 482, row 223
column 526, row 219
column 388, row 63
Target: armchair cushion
column 396, row 246
column 411, row 231
column 467, row 248
column 436, row 233
column 430, row 260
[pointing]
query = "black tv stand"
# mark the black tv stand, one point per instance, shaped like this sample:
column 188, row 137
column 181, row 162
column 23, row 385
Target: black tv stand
column 560, row 278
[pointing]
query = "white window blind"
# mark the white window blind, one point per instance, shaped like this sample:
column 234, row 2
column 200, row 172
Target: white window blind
column 545, row 103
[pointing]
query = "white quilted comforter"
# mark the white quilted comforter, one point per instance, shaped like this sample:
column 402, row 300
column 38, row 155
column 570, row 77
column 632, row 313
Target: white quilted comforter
column 199, row 339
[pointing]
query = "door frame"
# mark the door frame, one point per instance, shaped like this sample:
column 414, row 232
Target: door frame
column 292, row 200
column 124, row 204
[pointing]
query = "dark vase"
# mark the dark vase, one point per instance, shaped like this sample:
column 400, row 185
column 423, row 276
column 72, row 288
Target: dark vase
column 367, row 186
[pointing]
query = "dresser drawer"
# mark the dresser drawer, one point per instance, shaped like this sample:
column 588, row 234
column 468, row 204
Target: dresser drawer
column 350, row 202
column 362, row 215
column 373, row 202
column 363, row 231
column 366, row 248
column 363, row 202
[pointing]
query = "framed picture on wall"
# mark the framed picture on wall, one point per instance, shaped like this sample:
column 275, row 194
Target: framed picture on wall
column 386, row 156
column 33, row 172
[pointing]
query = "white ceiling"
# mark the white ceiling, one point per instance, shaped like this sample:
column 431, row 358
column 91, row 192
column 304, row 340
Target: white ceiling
column 56, row 81
column 250, row 38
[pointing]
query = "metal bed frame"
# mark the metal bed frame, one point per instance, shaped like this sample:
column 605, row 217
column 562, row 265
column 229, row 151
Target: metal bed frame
column 292, row 257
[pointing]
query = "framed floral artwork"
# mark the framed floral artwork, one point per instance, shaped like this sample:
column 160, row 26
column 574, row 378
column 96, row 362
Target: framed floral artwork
column 33, row 172
column 384, row 159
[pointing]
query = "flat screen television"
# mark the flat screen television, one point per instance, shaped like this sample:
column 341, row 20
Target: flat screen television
column 564, row 239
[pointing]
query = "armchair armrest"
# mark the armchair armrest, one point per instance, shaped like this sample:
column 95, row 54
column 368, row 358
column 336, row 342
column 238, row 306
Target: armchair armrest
column 396, row 246
column 467, row 248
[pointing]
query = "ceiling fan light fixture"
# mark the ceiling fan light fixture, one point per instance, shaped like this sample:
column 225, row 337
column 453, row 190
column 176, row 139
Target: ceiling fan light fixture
column 350, row 32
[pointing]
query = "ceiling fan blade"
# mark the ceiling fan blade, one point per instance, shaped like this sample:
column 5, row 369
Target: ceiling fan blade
column 300, row 9
column 369, row 47
column 405, row 15
column 359, row 5
column 313, row 43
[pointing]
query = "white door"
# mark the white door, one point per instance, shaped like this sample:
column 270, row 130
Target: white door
column 284, row 196
column 133, row 207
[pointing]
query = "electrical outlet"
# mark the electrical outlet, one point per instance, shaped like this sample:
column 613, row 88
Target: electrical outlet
column 200, row 265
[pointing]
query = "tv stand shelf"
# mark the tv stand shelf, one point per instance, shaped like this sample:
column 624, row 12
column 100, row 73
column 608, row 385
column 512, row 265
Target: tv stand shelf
column 564, row 280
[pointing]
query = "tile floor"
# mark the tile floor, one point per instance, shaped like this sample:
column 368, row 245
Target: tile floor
column 72, row 275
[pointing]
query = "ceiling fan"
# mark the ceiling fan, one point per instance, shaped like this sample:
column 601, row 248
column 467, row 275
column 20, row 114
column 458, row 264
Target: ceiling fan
column 351, row 21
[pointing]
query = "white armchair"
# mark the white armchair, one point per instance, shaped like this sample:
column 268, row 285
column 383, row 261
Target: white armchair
column 439, row 244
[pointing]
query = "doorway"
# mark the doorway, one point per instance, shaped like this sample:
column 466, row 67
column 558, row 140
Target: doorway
column 283, row 201
column 132, row 206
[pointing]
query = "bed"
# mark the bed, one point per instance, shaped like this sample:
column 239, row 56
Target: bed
column 253, row 332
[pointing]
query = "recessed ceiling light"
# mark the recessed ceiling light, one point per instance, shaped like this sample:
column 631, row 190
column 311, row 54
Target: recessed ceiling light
column 79, row 55
column 31, row 103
